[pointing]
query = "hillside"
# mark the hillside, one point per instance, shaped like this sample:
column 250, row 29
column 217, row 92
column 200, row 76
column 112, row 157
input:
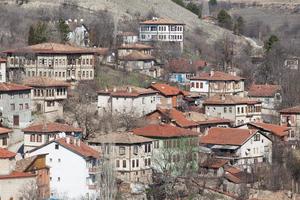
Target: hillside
column 165, row 8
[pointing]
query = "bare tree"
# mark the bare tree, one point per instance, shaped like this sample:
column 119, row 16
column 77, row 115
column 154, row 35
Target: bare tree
column 30, row 191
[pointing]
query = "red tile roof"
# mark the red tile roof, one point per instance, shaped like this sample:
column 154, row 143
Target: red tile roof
column 163, row 131
column 55, row 48
column 136, row 46
column 6, row 154
column 6, row 87
column 166, row 89
column 177, row 117
column 127, row 91
column 15, row 174
column 160, row 21
column 2, row 60
column 277, row 130
column 214, row 163
column 119, row 138
column 291, row 110
column 221, row 99
column 217, row 76
column 263, row 90
column 182, row 65
column 51, row 128
column 83, row 149
column 136, row 56
column 4, row 130
column 227, row 136
column 44, row 82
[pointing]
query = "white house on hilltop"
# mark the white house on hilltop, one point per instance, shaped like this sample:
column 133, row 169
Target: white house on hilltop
column 73, row 167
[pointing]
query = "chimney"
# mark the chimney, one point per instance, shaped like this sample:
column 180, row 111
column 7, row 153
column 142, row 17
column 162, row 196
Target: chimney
column 223, row 97
column 115, row 89
column 78, row 142
column 129, row 89
column 232, row 72
column 212, row 72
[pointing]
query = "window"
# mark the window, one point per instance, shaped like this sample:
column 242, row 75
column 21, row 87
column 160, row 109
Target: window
column 4, row 141
column 12, row 107
column 133, row 163
column 122, row 150
column 39, row 138
column 124, row 163
column 143, row 100
column 147, row 148
column 20, row 106
column 59, row 160
column 257, row 137
column 56, row 146
column 58, row 179
column 117, row 163
column 238, row 110
column 135, row 150
column 50, row 159
column 137, row 163
column 201, row 84
column 12, row 96
column 225, row 109
column 32, row 138
column 230, row 109
column 197, row 85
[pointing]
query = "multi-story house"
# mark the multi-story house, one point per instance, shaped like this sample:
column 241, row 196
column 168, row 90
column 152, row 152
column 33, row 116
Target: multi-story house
column 242, row 147
column 2, row 70
column 40, row 134
column 15, row 105
column 126, row 49
column 12, row 182
column 58, row 61
column 270, row 97
column 47, row 95
column 131, row 100
column 127, row 38
column 290, row 117
column 181, row 69
column 130, row 154
column 174, row 148
column 4, row 137
column 161, row 29
column 73, row 167
column 168, row 96
column 216, row 82
column 240, row 110
column 37, row 165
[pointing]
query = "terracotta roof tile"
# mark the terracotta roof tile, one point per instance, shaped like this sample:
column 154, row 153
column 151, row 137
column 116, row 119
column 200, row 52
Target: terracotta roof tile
column 6, row 154
column 263, row 90
column 275, row 129
column 291, row 110
column 201, row 119
column 44, row 82
column 136, row 56
column 160, row 21
column 2, row 60
column 136, row 46
column 83, row 149
column 166, row 89
column 163, row 131
column 15, row 174
column 214, row 163
column 51, row 128
column 182, row 65
column 5, row 130
column 220, row 99
column 227, row 136
column 6, row 87
column 120, row 138
column 217, row 76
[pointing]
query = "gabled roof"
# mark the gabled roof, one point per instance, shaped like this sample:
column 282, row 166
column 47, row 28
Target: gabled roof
column 166, row 89
column 263, row 90
column 16, row 174
column 176, row 117
column 227, row 136
column 120, row 138
column 182, row 65
column 24, row 164
column 44, row 82
column 127, row 91
column 136, row 46
column 214, row 163
column 163, row 131
column 162, row 21
column 221, row 99
column 52, row 127
column 5, row 130
column 203, row 119
column 291, row 110
column 6, row 154
column 217, row 76
column 136, row 56
column 54, row 48
column 8, row 87
column 277, row 130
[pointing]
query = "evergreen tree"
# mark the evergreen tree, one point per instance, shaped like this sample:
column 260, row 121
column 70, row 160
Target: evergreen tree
column 213, row 2
column 270, row 42
column 31, row 35
column 63, row 29
column 224, row 19
column 194, row 8
column 239, row 26
column 38, row 33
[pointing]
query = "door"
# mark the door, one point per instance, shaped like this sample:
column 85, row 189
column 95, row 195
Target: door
column 16, row 120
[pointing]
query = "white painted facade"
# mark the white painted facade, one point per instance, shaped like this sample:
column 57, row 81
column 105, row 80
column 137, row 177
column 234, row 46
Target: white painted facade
column 69, row 172
column 2, row 71
column 139, row 105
